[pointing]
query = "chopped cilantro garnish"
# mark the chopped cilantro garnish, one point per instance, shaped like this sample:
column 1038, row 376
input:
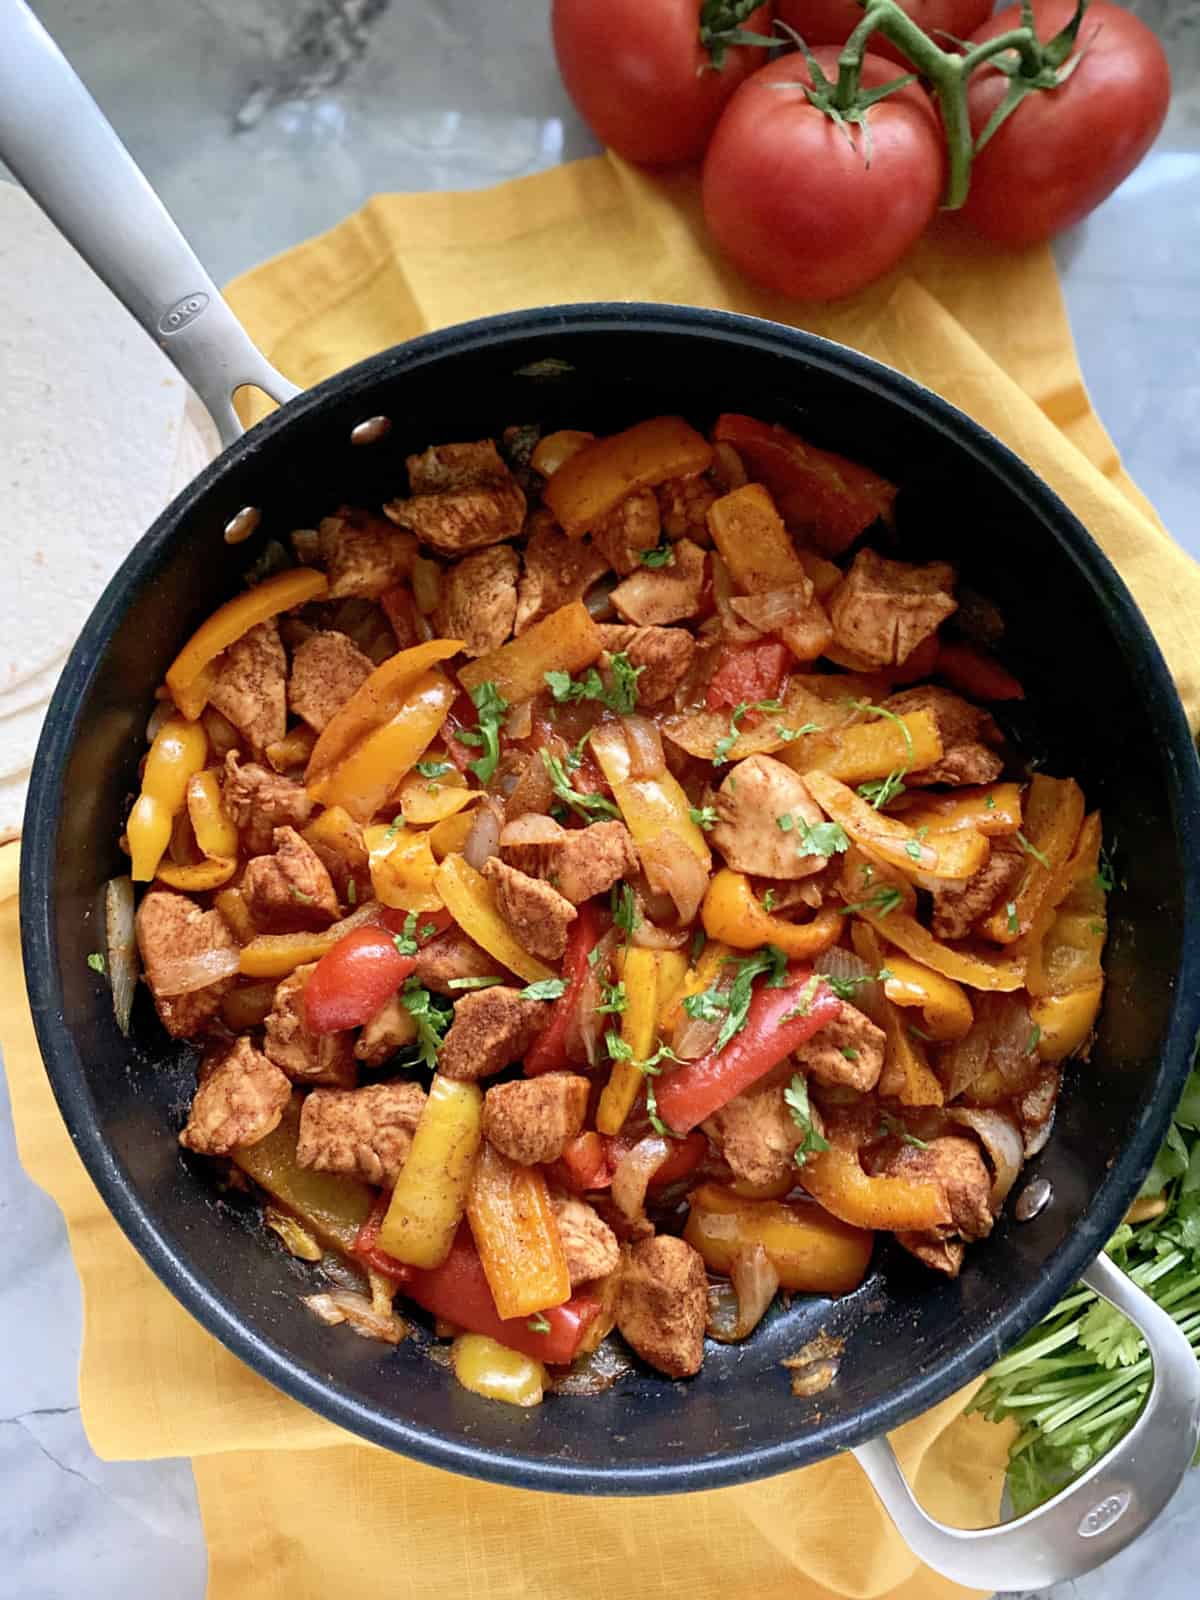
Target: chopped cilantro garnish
column 96, row 961
column 406, row 942
column 796, row 1098
column 492, row 707
column 434, row 769
column 351, row 892
column 848, row 1050
column 1032, row 850
column 614, row 1000
column 618, row 1049
column 472, row 983
column 663, row 555
column 704, row 816
column 883, row 902
column 883, row 790
column 990, row 803
column 847, row 988
column 544, row 989
column 733, row 1003
column 786, row 822
column 1011, row 918
column 300, row 894
column 768, row 900
column 1034, row 1039
column 430, row 1019
column 699, row 940
column 538, row 1324
column 724, row 745
column 807, row 995
column 889, row 1125
column 588, row 806
column 621, row 696
column 625, row 912
column 820, row 838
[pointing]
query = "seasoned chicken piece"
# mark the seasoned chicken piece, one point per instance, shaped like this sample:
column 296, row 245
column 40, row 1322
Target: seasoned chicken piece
column 957, row 909
column 956, row 1163
column 629, row 528
column 306, row 1057
column 803, row 624
column 756, row 1133
column 940, row 1255
column 290, row 890
column 665, row 656
column 537, row 914
column 453, row 955
column 557, row 571
column 366, row 1133
column 389, row 1030
column 530, row 1120
column 463, row 498
column 170, row 929
column 240, row 1102
column 249, row 686
column 363, row 555
column 965, row 730
column 326, row 670
column 491, row 1028
column 532, row 791
column 683, row 507
column 883, row 609
column 259, row 800
column 749, row 804
column 477, row 602
column 663, row 1304
column 578, row 862
column 664, row 594
column 849, row 1050
column 588, row 1242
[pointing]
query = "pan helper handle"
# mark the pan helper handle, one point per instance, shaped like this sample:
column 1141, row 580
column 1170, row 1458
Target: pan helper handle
column 63, row 150
column 1101, row 1512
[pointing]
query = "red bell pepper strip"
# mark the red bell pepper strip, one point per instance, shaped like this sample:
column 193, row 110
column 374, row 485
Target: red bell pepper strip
column 684, row 1156
column 778, row 1022
column 549, row 1050
column 975, row 673
column 458, row 1292
column 351, row 981
column 750, row 673
column 829, row 497
column 366, row 1245
column 917, row 664
column 428, row 923
column 590, row 1159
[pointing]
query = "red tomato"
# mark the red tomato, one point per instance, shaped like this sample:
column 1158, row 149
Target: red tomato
column 640, row 77
column 351, row 981
column 749, row 673
column 1063, row 151
column 833, row 21
column 795, row 206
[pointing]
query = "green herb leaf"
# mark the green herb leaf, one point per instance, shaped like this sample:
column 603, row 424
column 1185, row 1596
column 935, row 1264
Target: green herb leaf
column 768, row 900
column 587, row 806
column 990, row 803
column 434, row 769
column 1034, row 1039
column 662, row 555
column 614, row 999
column 538, row 1324
column 621, row 696
column 848, row 1050
column 96, row 962
column 796, row 1098
column 544, row 989
column 406, row 942
column 431, row 1020
column 847, row 988
column 820, row 838
column 351, row 892
column 704, row 816
column 883, row 902
column 724, row 745
column 733, row 1002
column 1032, row 850
column 882, row 791
column 472, row 983
column 804, row 1004
column 1012, row 921
column 617, row 1048
column 492, row 708
column 625, row 914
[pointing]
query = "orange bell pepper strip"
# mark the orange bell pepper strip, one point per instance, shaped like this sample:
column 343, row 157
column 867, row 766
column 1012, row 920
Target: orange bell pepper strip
column 367, row 777
column 702, row 975
column 865, row 750
column 812, row 1251
column 732, row 913
column 293, row 750
column 1065, row 945
column 831, row 498
column 652, row 805
column 992, row 809
column 596, row 478
column 907, row 1075
column 424, row 801
column 565, row 641
column 639, row 971
column 176, row 755
column 468, row 897
column 447, row 838
column 228, row 624
column 953, row 855
column 402, row 868
column 975, row 967
column 554, row 449
column 431, row 1192
column 1065, row 1021
column 1053, row 818
column 508, row 1208
column 836, row 1180
column 945, row 1010
column 274, row 955
column 754, row 544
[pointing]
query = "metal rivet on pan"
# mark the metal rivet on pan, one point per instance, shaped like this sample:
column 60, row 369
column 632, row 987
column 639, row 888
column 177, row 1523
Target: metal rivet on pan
column 1034, row 1197
column 370, row 431
column 239, row 528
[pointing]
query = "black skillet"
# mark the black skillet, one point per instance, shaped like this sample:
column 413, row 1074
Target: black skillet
column 1102, row 707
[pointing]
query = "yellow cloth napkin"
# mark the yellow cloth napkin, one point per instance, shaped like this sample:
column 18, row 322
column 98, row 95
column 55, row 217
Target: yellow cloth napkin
column 292, row 1505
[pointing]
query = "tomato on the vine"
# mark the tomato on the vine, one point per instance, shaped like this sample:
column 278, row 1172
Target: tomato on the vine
column 833, row 21
column 640, row 77
column 812, row 209
column 1064, row 150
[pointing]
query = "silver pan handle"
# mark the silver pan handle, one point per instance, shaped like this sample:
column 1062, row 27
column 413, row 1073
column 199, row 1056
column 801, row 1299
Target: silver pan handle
column 61, row 146
column 1102, row 1511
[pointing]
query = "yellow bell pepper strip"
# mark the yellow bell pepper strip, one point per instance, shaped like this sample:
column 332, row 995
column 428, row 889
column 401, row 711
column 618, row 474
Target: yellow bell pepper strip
column 235, row 914
column 425, row 799
column 274, row 955
column 1065, row 1021
column 1053, row 818
column 954, row 855
column 176, row 755
column 945, row 1010
column 373, row 704
column 836, row 1180
column 976, row 968
column 330, row 1205
column 639, row 972
column 402, row 868
column 248, row 1006
column 865, row 750
column 196, row 877
column 701, row 732
column 227, row 625
column 215, row 834
column 907, row 1075
column 594, row 480
column 368, row 776
column 672, row 975
column 702, row 975
column 823, row 575
column 430, row 1196
column 293, row 750
column 426, row 584
column 512, row 1223
column 651, row 805
column 565, row 641
column 992, row 809
column 812, row 1251
column 497, row 1373
column 335, row 836
column 865, row 880
column 1064, row 947
column 447, row 838
column 556, row 448
column 468, row 897
column 733, row 914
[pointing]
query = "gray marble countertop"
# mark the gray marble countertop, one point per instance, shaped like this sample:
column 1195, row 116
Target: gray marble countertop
column 261, row 122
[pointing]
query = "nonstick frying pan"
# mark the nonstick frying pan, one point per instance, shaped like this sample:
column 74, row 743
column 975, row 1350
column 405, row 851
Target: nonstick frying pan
column 1102, row 707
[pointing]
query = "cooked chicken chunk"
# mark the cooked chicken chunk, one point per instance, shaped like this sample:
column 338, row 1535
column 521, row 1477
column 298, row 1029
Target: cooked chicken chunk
column 452, row 955
column 240, row 1102
column 940, row 1255
column 491, row 1028
column 956, row 1163
column 532, row 789
column 249, row 686
column 259, row 800
column 557, row 571
column 363, row 555
column 884, row 609
column 170, row 929
column 578, row 862
column 848, row 1051
column 326, row 670
column 750, row 802
column 663, row 1304
column 757, row 1134
column 957, row 910
column 966, row 731
column 389, row 1030
column 366, row 1133
column 629, row 528
column 463, row 498
column 665, row 656
column 531, row 1120
column 306, row 1057
column 537, row 914
column 588, row 1242
column 478, row 600
column 683, row 507
column 659, row 595
column 290, row 890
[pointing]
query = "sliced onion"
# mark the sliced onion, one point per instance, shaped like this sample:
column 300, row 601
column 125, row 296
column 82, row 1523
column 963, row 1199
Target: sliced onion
column 346, row 1305
column 483, row 839
column 1001, row 1138
column 1037, row 1139
column 633, row 1174
column 530, row 828
column 520, row 721
column 598, row 601
column 732, row 626
column 120, row 939
column 185, row 974
column 754, row 1282
column 650, row 936
column 587, row 1020
column 644, row 742
column 594, row 1372
column 845, row 965
column 673, row 868
column 773, row 610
